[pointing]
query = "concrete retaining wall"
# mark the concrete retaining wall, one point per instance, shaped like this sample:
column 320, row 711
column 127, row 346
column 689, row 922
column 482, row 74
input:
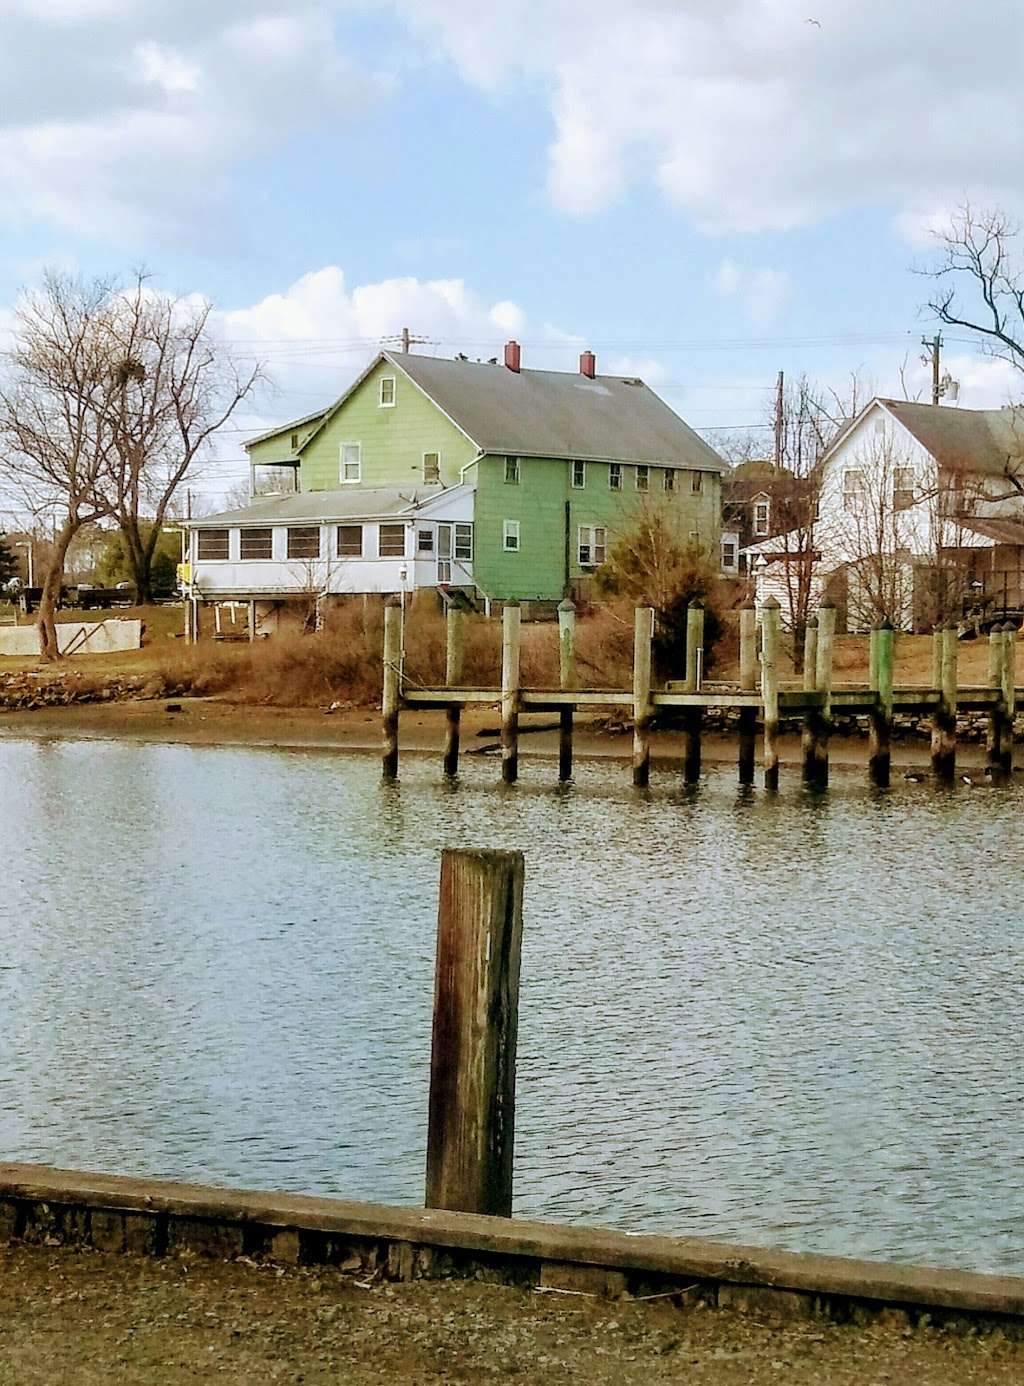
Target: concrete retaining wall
column 154, row 1217
column 76, row 637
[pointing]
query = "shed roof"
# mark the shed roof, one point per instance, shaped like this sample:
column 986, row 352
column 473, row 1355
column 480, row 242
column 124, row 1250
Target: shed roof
column 1000, row 531
column 988, row 442
column 349, row 502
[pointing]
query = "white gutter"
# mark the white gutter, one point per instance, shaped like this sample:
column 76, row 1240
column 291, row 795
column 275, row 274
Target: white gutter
column 471, row 463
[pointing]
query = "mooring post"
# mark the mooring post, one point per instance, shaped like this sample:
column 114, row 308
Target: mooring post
column 392, row 695
column 823, row 685
column 748, row 683
column 770, row 625
column 643, row 634
column 813, row 739
column 694, row 669
column 471, row 1118
column 1009, row 694
column 944, row 720
column 566, row 681
column 880, row 720
column 996, row 713
column 510, row 692
column 937, row 659
column 454, row 650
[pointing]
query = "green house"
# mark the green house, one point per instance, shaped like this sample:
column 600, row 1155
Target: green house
column 489, row 478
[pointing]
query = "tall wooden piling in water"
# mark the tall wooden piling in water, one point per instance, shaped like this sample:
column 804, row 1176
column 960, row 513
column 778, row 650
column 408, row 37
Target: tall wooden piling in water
column 510, row 632
column 748, row 682
column 944, row 719
column 454, row 655
column 1009, row 696
column 392, row 691
column 471, row 1120
column 880, row 717
column 814, row 738
column 770, row 629
column 997, row 713
column 643, row 634
column 692, row 717
column 566, row 682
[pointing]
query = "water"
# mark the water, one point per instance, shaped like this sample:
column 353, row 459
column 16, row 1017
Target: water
column 792, row 1023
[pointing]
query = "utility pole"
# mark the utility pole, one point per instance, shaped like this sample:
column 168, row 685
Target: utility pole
column 779, row 395
column 933, row 346
column 405, row 339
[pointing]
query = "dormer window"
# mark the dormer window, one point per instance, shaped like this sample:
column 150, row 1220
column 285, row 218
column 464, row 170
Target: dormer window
column 762, row 516
column 387, row 392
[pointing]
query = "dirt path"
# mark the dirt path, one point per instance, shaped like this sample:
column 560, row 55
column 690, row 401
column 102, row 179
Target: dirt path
column 84, row 1318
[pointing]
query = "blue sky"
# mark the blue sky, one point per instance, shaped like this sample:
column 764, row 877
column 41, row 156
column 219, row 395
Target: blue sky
column 705, row 192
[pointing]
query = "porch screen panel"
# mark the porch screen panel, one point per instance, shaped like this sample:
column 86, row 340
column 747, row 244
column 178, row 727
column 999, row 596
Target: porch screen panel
column 304, row 541
column 392, row 541
column 213, row 543
column 257, row 543
column 350, row 541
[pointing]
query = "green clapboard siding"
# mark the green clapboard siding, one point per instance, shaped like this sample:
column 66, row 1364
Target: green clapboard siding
column 393, row 439
column 538, row 502
column 279, row 447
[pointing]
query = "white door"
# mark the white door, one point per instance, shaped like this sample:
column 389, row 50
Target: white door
column 444, row 554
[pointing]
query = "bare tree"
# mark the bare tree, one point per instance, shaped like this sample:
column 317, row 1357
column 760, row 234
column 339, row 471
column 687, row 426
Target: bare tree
column 57, row 405
column 977, row 254
column 176, row 386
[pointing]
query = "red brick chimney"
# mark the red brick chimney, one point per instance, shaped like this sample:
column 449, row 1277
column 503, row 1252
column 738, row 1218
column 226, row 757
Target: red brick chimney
column 588, row 364
column 512, row 355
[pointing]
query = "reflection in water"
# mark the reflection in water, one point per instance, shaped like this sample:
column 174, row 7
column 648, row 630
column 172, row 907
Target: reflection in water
column 790, row 1021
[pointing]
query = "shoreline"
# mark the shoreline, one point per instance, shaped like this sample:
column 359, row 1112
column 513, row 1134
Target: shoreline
column 218, row 722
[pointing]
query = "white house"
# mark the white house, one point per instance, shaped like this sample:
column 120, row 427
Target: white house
column 908, row 495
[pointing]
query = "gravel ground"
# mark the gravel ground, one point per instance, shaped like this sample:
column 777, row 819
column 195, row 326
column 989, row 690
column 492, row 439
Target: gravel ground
column 82, row 1318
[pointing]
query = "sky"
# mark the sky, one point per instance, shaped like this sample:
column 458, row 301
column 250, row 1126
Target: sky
column 703, row 191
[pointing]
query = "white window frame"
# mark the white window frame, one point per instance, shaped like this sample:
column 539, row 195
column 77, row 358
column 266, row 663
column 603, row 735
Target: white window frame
column 642, row 471
column 762, row 526
column 908, row 492
column 248, row 532
column 732, row 544
column 587, row 542
column 337, row 541
column 392, row 524
column 381, row 401
column 462, row 543
column 614, row 476
column 431, row 452
column 854, row 491
column 303, row 557
column 513, row 471
column 220, row 529
column 511, row 540
column 342, row 464
column 579, row 469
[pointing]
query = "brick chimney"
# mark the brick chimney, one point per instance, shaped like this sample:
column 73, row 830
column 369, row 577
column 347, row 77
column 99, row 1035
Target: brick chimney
column 512, row 355
column 588, row 364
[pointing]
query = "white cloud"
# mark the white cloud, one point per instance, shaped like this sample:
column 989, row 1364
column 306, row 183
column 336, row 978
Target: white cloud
column 746, row 116
column 146, row 107
column 762, row 291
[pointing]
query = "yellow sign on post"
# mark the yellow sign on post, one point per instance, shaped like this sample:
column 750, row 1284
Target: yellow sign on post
column 184, row 572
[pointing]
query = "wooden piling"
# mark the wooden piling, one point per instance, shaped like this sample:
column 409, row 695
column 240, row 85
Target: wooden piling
column 510, row 631
column 471, row 1119
column 643, row 634
column 1009, row 696
column 392, row 695
column 880, row 720
column 455, row 636
column 566, row 680
column 770, row 626
column 996, row 715
column 692, row 718
column 944, row 720
column 251, row 620
column 748, row 682
column 814, row 739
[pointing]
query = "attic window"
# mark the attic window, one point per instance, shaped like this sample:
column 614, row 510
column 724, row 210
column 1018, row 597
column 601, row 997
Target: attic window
column 762, row 516
column 512, row 471
column 387, row 392
column 295, row 442
column 431, row 468
column 903, row 482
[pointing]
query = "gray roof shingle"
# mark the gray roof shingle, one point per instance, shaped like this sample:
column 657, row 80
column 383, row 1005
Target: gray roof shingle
column 351, row 502
column 987, row 442
column 559, row 413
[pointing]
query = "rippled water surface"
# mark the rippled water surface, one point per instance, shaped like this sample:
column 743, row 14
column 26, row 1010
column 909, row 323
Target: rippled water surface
column 794, row 1022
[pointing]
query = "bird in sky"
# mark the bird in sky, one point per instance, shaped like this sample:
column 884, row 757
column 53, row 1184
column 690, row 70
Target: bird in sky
column 815, row 22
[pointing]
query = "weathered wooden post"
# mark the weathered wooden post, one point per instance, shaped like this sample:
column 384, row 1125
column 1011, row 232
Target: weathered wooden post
column 455, row 636
column 643, row 634
column 813, row 739
column 996, row 714
column 880, row 720
column 944, row 720
column 252, row 622
column 392, row 696
column 770, row 625
column 1009, row 696
column 748, row 682
column 510, row 631
column 823, row 685
column 567, row 682
column 471, row 1120
column 692, row 715
column 937, row 659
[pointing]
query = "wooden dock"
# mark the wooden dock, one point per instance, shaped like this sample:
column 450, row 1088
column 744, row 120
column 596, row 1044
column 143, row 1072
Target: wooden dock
column 759, row 697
